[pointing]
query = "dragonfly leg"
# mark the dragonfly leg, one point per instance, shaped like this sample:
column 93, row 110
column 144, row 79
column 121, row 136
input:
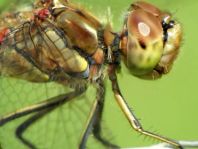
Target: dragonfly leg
column 94, row 120
column 130, row 114
column 27, row 123
column 49, row 103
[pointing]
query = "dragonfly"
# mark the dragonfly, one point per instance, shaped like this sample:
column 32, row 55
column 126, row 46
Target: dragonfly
column 60, row 42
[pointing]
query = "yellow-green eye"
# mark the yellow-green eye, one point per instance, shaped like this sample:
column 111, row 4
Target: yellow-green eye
column 145, row 42
column 152, row 41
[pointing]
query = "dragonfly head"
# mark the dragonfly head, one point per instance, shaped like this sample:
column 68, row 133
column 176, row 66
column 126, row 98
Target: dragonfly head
column 149, row 41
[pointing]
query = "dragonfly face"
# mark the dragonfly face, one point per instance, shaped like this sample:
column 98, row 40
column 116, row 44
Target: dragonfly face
column 150, row 41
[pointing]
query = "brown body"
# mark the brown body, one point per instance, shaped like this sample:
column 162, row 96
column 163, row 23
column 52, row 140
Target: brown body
column 64, row 43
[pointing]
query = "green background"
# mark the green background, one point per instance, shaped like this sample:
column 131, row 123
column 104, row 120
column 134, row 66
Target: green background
column 168, row 106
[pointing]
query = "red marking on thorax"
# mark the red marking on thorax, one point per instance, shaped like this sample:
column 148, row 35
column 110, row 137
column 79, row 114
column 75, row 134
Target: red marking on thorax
column 42, row 13
column 3, row 34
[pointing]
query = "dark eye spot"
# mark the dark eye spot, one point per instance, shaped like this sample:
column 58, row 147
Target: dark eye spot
column 142, row 44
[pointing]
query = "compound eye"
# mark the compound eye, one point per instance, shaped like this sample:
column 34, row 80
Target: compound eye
column 145, row 42
column 144, row 26
column 146, row 7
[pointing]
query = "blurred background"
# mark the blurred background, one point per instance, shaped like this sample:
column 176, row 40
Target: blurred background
column 168, row 106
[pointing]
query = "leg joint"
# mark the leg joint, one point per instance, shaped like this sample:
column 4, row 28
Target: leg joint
column 138, row 128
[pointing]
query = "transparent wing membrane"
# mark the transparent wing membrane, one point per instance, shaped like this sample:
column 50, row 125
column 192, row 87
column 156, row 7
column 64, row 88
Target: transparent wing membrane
column 61, row 128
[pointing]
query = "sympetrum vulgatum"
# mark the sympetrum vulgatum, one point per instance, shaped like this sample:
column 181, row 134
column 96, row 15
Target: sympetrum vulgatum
column 40, row 51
